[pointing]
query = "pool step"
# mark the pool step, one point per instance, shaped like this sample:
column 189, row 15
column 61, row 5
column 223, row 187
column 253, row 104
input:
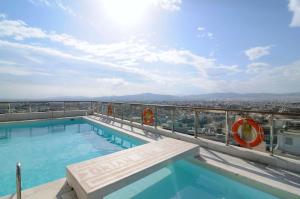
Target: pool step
column 95, row 178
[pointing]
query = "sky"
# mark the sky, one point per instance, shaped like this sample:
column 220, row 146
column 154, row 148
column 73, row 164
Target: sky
column 53, row 48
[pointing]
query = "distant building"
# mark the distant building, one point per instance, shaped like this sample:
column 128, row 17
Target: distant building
column 289, row 138
column 289, row 141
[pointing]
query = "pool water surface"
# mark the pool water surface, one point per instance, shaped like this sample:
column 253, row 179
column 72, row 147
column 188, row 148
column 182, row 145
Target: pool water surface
column 46, row 147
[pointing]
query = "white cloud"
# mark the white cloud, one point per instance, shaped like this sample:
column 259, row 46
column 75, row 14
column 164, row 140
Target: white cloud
column 112, row 82
column 55, row 3
column 257, row 67
column 172, row 5
column 20, row 71
column 65, row 8
column 294, row 6
column 40, row 2
column 257, row 52
column 134, row 66
column 2, row 16
column 80, row 58
column 19, row 30
column 7, row 62
column 210, row 35
column 126, row 56
column 204, row 34
column 277, row 79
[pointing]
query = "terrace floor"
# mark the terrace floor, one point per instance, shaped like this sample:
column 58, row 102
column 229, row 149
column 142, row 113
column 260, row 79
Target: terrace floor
column 237, row 168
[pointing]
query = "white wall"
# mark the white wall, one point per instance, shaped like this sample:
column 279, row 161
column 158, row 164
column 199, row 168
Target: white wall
column 42, row 115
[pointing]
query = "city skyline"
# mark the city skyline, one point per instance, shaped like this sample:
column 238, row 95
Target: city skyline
column 102, row 48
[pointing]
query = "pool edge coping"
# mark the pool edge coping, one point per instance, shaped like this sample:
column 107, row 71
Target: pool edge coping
column 121, row 130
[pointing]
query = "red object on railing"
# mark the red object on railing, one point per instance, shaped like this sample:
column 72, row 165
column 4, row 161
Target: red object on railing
column 109, row 110
column 259, row 132
column 148, row 116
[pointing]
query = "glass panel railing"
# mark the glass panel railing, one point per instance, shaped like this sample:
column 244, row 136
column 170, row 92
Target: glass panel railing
column 136, row 113
column 286, row 139
column 164, row 118
column 72, row 106
column 184, row 121
column 117, row 110
column 39, row 106
column 104, row 108
column 84, row 105
column 56, row 106
column 212, row 126
column 4, row 108
column 19, row 107
column 127, row 112
column 95, row 107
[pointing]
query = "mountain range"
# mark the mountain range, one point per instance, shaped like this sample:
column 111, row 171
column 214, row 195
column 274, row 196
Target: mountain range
column 151, row 97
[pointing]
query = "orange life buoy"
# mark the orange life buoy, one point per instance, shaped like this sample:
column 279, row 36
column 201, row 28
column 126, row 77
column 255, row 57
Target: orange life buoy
column 109, row 110
column 259, row 132
column 148, row 116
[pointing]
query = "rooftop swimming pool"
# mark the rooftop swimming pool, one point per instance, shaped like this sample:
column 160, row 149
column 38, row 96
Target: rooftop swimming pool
column 186, row 180
column 46, row 147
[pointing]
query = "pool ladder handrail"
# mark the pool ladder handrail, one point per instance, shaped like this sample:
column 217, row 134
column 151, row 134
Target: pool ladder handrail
column 18, row 180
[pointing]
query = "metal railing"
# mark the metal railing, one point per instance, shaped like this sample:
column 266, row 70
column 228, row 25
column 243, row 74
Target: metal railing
column 196, row 111
column 18, row 180
column 133, row 112
column 8, row 107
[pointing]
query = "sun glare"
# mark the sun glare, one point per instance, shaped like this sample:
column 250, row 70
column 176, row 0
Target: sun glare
column 126, row 12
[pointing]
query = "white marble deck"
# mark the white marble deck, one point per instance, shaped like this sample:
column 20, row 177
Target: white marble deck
column 261, row 176
column 95, row 178
column 58, row 189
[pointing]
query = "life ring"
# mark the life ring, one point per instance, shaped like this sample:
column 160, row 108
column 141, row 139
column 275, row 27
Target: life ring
column 259, row 132
column 110, row 110
column 148, row 116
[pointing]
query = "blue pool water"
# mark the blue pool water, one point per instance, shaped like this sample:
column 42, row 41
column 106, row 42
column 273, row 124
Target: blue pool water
column 186, row 180
column 45, row 148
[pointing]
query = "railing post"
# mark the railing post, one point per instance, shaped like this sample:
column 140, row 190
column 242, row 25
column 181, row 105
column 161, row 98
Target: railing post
column 271, row 122
column 114, row 111
column 227, row 133
column 173, row 119
column 142, row 116
column 101, row 108
column 130, row 105
column 196, row 123
column 18, row 180
column 122, row 112
column 92, row 107
column 155, row 116
column 97, row 107
column 9, row 110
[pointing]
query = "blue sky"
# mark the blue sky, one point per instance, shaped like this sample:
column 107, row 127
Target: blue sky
column 117, row 47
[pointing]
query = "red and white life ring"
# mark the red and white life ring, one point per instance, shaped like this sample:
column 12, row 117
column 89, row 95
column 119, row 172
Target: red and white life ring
column 148, row 116
column 110, row 110
column 259, row 132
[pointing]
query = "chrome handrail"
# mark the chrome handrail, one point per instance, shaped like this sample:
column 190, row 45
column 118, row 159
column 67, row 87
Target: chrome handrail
column 18, row 180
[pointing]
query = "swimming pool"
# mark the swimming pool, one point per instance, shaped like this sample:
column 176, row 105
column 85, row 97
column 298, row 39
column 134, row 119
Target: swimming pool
column 46, row 147
column 185, row 180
